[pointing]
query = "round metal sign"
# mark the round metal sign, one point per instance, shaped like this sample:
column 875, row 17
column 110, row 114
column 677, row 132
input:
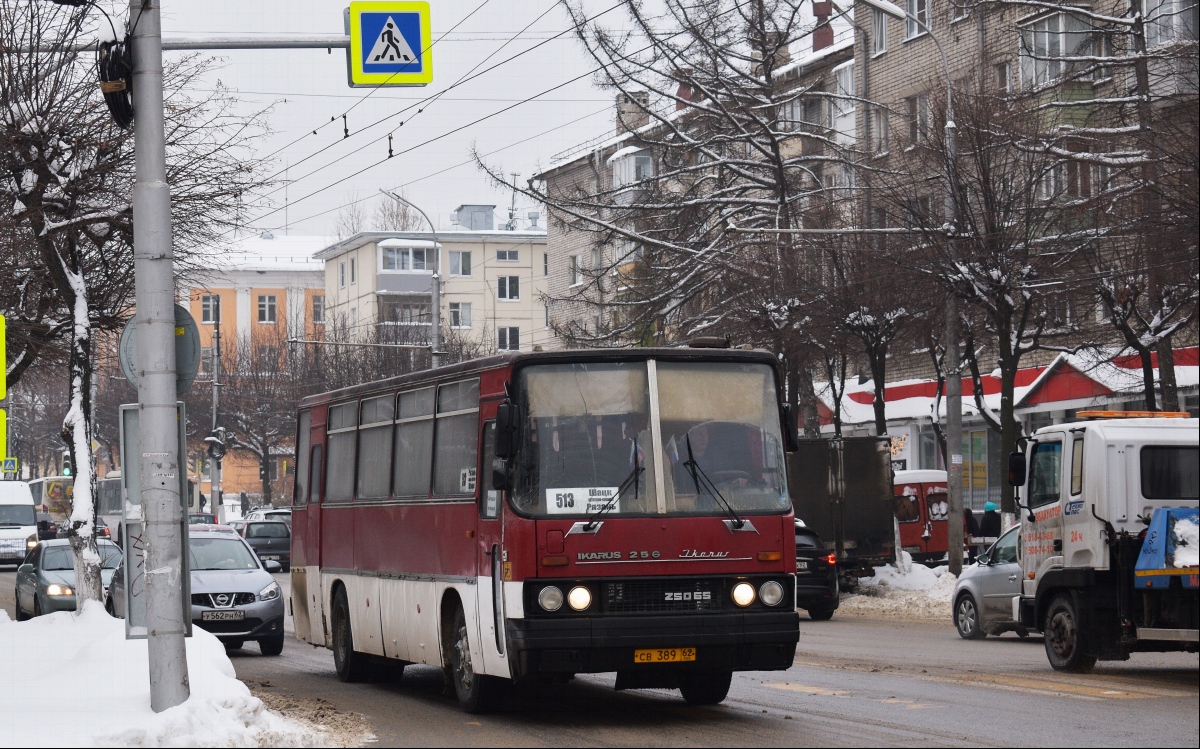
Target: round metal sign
column 187, row 350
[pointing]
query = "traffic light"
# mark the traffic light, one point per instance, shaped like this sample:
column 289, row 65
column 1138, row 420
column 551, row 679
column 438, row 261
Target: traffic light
column 66, row 469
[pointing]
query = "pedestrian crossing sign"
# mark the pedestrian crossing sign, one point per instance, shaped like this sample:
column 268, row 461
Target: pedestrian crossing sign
column 390, row 44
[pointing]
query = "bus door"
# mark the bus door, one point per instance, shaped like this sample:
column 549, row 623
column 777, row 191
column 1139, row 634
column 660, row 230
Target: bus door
column 937, row 509
column 315, row 490
column 491, row 564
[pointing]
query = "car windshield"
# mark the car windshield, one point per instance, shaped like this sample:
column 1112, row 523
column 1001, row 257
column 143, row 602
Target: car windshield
column 220, row 554
column 266, row 530
column 590, row 434
column 59, row 557
column 13, row 515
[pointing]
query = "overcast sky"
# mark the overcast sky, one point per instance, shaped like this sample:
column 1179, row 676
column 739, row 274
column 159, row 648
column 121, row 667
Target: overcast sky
column 308, row 87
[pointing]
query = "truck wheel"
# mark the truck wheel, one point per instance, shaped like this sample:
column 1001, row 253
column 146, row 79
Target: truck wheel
column 350, row 666
column 706, row 689
column 820, row 613
column 1066, row 643
column 966, row 618
column 476, row 693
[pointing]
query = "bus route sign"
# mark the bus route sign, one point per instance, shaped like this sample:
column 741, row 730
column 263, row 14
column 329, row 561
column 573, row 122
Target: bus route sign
column 389, row 44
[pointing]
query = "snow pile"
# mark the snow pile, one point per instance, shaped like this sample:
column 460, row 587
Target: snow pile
column 1187, row 543
column 903, row 591
column 77, row 680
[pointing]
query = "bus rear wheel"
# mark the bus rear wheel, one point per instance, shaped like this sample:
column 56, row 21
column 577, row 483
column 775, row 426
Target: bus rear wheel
column 476, row 693
column 706, row 689
column 350, row 666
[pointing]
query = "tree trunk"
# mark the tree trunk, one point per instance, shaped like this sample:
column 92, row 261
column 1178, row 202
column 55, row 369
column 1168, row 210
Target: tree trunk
column 878, row 359
column 266, row 480
column 1148, row 378
column 1166, row 375
column 1009, row 432
column 808, row 404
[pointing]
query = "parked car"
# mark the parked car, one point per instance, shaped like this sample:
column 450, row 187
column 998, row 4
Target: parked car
column 233, row 594
column 102, row 530
column 817, row 589
column 18, row 521
column 267, row 513
column 46, row 579
column 203, row 518
column 271, row 540
column 983, row 596
column 46, row 527
column 237, row 525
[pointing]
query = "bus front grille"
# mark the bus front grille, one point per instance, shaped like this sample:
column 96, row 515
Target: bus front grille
column 663, row 596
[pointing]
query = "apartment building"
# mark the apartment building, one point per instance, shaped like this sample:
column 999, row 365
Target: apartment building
column 264, row 287
column 494, row 282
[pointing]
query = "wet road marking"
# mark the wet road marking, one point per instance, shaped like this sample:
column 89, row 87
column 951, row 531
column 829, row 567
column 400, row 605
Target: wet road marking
column 908, row 704
column 1064, row 689
column 815, row 691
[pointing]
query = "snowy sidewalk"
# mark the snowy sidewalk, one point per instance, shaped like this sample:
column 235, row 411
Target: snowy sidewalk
column 913, row 591
column 76, row 681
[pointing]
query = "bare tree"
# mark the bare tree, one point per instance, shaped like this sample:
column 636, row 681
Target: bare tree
column 69, row 175
column 394, row 215
column 351, row 219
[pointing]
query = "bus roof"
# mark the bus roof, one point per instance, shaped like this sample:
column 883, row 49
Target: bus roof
column 512, row 359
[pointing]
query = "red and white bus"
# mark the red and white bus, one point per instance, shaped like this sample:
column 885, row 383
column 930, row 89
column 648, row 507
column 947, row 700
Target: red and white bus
column 547, row 514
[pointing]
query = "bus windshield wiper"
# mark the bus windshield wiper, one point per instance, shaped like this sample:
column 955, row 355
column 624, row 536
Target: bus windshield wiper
column 630, row 480
column 699, row 477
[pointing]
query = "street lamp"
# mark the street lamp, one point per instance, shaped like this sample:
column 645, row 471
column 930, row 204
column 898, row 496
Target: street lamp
column 954, row 464
column 435, row 342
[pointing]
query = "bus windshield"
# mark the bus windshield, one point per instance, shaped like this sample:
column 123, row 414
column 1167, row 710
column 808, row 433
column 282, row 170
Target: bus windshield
column 596, row 436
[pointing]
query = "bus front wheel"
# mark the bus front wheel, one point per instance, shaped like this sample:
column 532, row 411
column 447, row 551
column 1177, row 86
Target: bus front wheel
column 350, row 666
column 476, row 693
column 706, row 689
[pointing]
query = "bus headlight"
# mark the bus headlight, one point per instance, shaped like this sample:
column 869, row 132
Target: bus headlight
column 771, row 593
column 551, row 598
column 743, row 594
column 579, row 598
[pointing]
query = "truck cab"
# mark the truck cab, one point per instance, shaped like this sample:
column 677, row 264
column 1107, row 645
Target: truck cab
column 1091, row 492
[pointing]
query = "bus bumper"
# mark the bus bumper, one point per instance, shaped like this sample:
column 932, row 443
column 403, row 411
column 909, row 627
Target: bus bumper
column 761, row 641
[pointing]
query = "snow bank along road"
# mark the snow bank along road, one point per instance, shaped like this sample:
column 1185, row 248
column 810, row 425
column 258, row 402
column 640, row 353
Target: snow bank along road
column 856, row 681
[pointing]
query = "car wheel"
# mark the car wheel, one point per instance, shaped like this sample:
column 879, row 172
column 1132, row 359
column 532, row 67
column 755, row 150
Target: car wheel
column 287, row 567
column 706, row 689
column 1066, row 640
column 21, row 615
column 476, row 693
column 233, row 644
column 37, row 606
column 350, row 666
column 271, row 645
column 820, row 613
column 966, row 618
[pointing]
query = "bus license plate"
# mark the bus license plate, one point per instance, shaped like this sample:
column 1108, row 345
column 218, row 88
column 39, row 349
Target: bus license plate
column 222, row 616
column 664, row 655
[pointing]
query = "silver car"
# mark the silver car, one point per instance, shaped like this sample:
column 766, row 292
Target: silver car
column 233, row 594
column 984, row 594
column 46, row 579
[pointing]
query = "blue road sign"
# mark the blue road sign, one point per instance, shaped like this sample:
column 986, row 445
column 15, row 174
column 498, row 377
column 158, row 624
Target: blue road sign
column 390, row 44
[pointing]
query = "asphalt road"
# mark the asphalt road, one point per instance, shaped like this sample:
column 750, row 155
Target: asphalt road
column 855, row 682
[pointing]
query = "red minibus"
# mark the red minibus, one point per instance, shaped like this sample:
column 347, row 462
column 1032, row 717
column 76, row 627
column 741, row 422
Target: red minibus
column 551, row 513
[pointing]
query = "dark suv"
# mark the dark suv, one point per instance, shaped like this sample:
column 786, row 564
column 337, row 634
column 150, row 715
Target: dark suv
column 816, row 575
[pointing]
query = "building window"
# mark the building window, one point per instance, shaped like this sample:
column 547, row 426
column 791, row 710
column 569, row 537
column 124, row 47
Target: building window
column 206, row 359
column 959, row 9
column 1053, row 181
column 210, row 305
column 879, row 29
column 545, row 263
column 843, row 105
column 266, row 309
column 917, row 212
column 404, row 312
column 460, row 263
column 507, row 256
column 341, row 275
column 633, row 168
column 546, row 309
column 917, row 108
column 813, row 113
column 353, row 270
column 879, row 130
column 508, row 339
column 917, row 21
column 1170, row 20
column 1003, row 77
column 1046, row 42
column 403, row 258
column 460, row 314
column 574, row 270
column 318, row 309
column 508, row 287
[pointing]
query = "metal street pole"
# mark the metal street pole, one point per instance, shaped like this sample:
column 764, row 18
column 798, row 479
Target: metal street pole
column 214, row 493
column 953, row 363
column 436, row 354
column 155, row 294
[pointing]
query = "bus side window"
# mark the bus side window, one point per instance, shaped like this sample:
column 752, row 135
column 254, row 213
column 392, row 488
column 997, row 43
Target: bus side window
column 303, row 439
column 489, row 507
column 314, row 475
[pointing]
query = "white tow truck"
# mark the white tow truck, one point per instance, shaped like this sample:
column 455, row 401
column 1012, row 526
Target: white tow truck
column 1108, row 547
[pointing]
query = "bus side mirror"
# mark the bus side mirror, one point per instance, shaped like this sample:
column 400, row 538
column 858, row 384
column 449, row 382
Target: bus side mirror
column 505, row 426
column 791, row 440
column 1016, row 468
